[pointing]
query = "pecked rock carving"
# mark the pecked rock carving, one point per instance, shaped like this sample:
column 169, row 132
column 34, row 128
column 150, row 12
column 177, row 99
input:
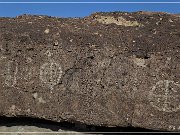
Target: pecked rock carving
column 50, row 72
column 11, row 75
column 165, row 96
column 110, row 69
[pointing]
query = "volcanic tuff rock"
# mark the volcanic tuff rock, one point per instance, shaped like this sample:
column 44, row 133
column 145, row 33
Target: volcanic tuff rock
column 110, row 69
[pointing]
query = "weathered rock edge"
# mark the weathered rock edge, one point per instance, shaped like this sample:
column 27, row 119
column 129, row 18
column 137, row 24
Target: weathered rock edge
column 112, row 69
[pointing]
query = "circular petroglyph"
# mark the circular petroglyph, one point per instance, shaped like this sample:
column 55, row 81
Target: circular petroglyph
column 16, row 75
column 11, row 73
column 28, row 74
column 165, row 96
column 50, row 73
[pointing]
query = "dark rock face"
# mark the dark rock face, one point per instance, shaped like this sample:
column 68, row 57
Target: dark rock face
column 110, row 69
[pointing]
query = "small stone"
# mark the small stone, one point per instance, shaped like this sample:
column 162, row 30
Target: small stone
column 13, row 107
column 47, row 31
column 28, row 110
column 157, row 23
column 170, row 20
column 41, row 100
column 35, row 95
column 140, row 62
column 56, row 43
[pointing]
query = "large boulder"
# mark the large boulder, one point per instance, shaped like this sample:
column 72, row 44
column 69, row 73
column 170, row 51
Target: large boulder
column 110, row 69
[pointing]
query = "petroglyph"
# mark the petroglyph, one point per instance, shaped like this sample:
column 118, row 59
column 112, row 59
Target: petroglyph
column 165, row 96
column 29, row 73
column 11, row 74
column 14, row 73
column 50, row 72
column 135, row 89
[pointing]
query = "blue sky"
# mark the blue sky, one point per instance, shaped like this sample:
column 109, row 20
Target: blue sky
column 81, row 10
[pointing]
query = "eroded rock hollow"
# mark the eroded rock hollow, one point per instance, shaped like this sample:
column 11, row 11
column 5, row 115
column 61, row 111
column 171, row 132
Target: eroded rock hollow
column 110, row 69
